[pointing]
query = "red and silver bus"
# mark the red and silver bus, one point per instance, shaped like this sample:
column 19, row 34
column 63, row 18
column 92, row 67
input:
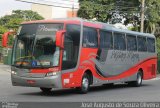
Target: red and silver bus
column 76, row 53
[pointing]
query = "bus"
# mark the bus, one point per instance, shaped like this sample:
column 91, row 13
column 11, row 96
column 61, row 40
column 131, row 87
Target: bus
column 78, row 53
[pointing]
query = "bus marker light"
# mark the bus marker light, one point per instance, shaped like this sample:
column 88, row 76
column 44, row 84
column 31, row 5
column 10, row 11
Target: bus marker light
column 51, row 74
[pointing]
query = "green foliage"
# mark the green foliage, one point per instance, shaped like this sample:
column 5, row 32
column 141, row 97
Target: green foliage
column 27, row 15
column 12, row 22
column 152, row 10
column 2, row 29
column 158, row 47
column 116, row 10
column 95, row 9
column 17, row 17
column 152, row 15
column 105, row 10
column 158, row 52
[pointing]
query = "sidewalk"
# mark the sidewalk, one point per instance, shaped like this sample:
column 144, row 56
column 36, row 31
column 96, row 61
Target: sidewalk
column 5, row 69
column 4, row 66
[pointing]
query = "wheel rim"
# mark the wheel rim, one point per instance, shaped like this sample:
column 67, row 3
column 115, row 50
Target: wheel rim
column 139, row 79
column 85, row 83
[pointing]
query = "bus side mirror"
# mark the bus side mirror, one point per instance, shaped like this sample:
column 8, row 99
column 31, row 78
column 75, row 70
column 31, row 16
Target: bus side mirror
column 5, row 39
column 60, row 38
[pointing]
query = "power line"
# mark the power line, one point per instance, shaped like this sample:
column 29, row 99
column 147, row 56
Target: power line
column 52, row 3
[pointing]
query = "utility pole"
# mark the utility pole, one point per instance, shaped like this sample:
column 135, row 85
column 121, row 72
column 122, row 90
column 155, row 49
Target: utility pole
column 73, row 10
column 142, row 15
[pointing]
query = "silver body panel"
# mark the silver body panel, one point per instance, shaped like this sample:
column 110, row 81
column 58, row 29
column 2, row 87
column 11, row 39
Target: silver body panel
column 97, row 81
column 23, row 76
column 116, row 62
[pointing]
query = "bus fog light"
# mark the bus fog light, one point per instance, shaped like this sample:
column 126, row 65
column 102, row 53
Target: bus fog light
column 51, row 74
column 13, row 72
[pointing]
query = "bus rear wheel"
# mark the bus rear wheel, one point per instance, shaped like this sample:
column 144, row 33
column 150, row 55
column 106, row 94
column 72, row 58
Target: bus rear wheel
column 138, row 81
column 84, row 84
column 45, row 90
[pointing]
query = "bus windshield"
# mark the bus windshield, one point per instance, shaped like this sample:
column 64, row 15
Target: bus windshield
column 35, row 46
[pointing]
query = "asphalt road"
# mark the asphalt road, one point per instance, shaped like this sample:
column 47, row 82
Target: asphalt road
column 149, row 92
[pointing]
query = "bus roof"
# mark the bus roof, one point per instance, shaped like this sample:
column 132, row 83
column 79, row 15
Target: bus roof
column 128, row 31
column 95, row 24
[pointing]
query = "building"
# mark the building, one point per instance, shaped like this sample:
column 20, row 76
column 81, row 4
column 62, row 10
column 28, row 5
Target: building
column 54, row 8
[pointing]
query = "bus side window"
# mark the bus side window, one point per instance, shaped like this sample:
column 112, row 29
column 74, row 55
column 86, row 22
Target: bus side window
column 142, row 46
column 106, row 40
column 90, row 37
column 131, row 43
column 151, row 44
column 119, row 41
column 71, row 46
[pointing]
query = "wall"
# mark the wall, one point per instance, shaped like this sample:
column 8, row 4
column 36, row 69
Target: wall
column 43, row 10
column 50, row 12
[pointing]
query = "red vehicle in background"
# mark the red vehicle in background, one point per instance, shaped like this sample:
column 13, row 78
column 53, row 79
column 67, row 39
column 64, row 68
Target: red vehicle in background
column 76, row 53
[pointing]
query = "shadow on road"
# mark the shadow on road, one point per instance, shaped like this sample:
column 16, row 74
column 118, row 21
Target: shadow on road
column 71, row 92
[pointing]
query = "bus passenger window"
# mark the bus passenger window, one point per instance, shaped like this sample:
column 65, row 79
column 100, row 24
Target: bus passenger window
column 106, row 40
column 142, row 44
column 90, row 38
column 151, row 44
column 131, row 43
column 119, row 41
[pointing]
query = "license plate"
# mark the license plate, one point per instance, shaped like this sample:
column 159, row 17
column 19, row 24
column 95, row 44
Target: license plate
column 31, row 81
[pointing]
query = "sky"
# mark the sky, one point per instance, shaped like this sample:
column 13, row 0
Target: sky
column 6, row 6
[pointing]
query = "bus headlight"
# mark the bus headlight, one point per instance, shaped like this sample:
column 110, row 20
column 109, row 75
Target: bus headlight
column 13, row 72
column 51, row 74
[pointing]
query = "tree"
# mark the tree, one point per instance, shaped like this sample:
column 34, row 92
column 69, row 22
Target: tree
column 18, row 16
column 96, row 9
column 12, row 22
column 117, row 10
column 26, row 15
column 107, row 10
column 152, row 15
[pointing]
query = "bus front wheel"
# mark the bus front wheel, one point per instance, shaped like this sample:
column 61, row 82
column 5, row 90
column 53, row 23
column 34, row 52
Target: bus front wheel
column 84, row 84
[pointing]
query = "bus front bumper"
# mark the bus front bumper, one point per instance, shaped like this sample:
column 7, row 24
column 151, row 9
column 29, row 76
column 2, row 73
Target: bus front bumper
column 47, row 82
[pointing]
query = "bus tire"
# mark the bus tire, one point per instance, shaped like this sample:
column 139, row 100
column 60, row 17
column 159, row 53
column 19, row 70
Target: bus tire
column 138, row 81
column 45, row 90
column 85, row 84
